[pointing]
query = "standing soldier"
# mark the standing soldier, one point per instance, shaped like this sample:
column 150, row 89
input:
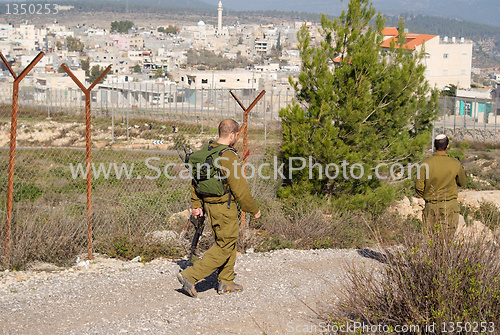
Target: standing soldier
column 222, row 215
column 437, row 183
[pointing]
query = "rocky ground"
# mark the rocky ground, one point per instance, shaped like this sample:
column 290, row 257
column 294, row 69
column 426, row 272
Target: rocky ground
column 473, row 134
column 414, row 206
column 283, row 291
column 72, row 134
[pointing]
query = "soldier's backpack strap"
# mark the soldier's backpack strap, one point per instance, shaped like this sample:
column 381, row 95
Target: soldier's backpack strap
column 224, row 181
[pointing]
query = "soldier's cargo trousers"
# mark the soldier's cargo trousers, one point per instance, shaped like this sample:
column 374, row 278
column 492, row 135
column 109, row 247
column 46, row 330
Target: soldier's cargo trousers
column 222, row 255
column 441, row 216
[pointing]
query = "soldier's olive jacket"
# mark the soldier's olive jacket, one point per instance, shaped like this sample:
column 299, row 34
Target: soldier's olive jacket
column 229, row 161
column 444, row 174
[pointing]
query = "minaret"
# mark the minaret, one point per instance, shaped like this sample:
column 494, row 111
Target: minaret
column 219, row 29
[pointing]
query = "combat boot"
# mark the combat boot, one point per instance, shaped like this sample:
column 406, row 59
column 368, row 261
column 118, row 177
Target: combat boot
column 187, row 286
column 229, row 288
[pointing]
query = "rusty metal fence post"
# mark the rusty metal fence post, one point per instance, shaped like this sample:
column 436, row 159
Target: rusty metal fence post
column 246, row 152
column 88, row 148
column 12, row 152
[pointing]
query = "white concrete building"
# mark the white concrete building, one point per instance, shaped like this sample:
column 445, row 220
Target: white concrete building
column 91, row 32
column 271, row 67
column 477, row 104
column 60, row 31
column 58, row 80
column 25, row 60
column 228, row 79
column 496, row 76
column 143, row 57
column 448, row 60
column 5, row 32
column 262, row 45
column 27, row 36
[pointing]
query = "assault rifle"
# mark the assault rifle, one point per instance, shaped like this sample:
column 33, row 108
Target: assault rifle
column 199, row 222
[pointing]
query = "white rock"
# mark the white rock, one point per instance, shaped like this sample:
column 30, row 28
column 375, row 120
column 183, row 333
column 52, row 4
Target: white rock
column 476, row 231
column 85, row 263
column 164, row 236
column 180, row 216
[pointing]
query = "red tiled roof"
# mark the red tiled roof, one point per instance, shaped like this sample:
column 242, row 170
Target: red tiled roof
column 411, row 42
column 391, row 31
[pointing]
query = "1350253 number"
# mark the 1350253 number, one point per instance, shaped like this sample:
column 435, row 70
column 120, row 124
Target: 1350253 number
column 468, row 327
column 32, row 8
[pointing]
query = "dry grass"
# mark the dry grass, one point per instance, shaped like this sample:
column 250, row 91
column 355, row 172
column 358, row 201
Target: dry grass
column 426, row 280
column 312, row 222
column 57, row 235
column 44, row 234
column 128, row 237
column 481, row 163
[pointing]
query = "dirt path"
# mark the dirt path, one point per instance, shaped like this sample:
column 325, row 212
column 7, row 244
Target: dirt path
column 112, row 297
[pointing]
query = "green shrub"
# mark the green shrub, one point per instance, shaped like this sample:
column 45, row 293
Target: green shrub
column 489, row 214
column 125, row 246
column 323, row 243
column 427, row 280
column 456, row 153
column 27, row 192
column 274, row 242
column 313, row 222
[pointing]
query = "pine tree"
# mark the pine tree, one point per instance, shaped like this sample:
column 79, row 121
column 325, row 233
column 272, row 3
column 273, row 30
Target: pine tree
column 375, row 107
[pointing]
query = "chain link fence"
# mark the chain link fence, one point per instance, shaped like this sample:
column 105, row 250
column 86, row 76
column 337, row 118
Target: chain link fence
column 121, row 102
column 468, row 119
column 139, row 185
column 138, row 182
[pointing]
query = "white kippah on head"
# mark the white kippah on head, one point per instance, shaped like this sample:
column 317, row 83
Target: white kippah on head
column 440, row 137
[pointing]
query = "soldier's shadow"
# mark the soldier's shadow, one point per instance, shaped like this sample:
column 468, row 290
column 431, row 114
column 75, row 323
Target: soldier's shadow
column 206, row 284
column 372, row 254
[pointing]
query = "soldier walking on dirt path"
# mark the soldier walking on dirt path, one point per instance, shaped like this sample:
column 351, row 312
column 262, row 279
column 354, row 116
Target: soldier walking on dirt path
column 222, row 213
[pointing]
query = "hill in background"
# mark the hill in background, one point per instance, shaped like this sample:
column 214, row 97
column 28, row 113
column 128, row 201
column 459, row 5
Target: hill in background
column 481, row 11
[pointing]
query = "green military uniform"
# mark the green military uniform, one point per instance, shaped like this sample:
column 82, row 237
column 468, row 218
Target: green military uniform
column 224, row 222
column 440, row 191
